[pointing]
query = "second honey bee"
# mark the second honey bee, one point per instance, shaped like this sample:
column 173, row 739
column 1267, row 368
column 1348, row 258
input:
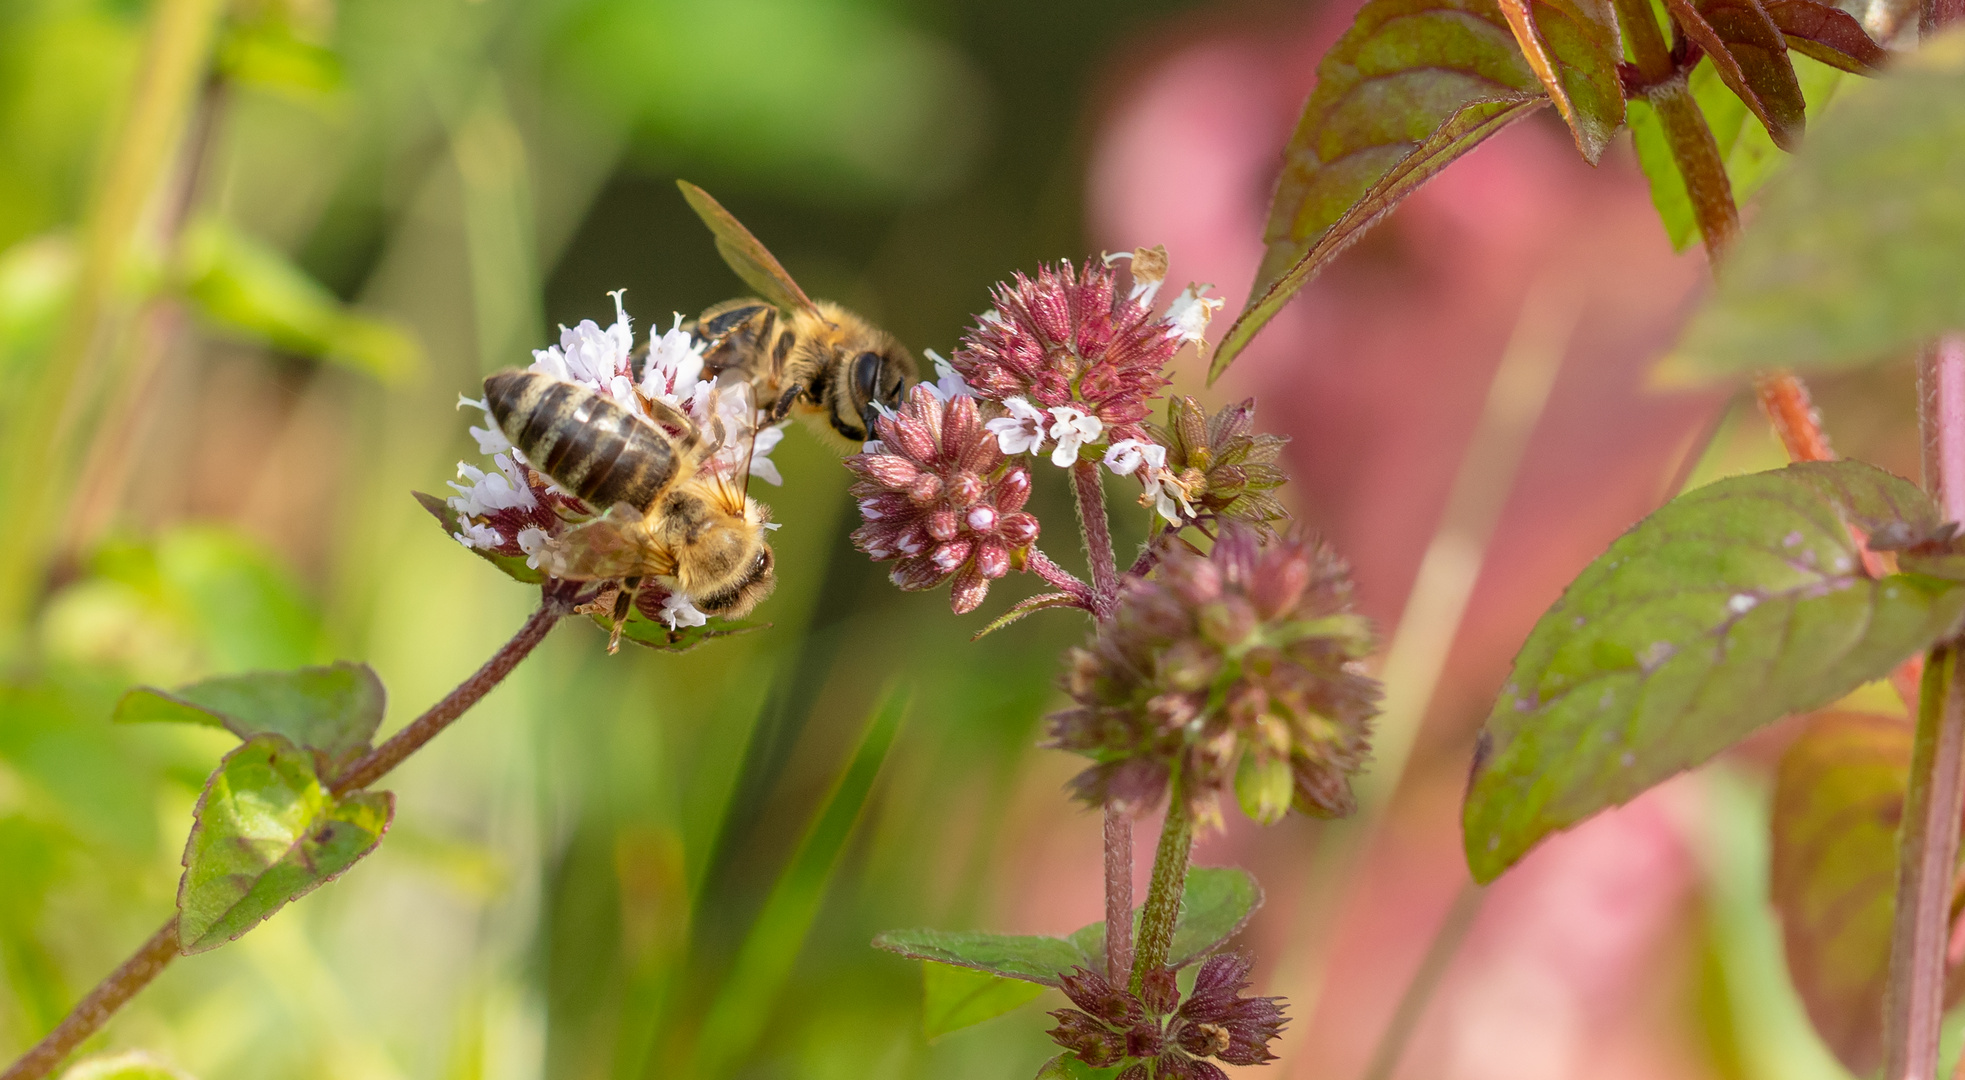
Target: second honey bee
column 666, row 512
column 804, row 356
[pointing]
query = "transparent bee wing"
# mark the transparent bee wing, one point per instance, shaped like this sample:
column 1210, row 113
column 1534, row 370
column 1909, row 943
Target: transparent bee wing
column 614, row 545
column 745, row 255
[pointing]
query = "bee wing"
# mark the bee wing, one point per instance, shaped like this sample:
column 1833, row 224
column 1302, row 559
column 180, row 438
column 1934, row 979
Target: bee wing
column 614, row 545
column 749, row 258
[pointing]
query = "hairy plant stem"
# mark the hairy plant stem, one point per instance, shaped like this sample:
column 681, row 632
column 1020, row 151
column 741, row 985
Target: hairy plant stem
column 1161, row 913
column 1098, row 537
column 1041, row 565
column 1118, row 893
column 1927, row 848
column 155, row 954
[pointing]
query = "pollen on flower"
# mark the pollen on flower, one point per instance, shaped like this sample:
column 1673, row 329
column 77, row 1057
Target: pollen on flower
column 1188, row 316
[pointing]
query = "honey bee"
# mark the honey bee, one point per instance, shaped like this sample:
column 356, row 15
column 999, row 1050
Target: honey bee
column 811, row 357
column 669, row 512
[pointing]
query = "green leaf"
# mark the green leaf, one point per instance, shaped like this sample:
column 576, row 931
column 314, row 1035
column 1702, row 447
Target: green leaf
column 1218, row 902
column 1068, row 1067
column 267, row 832
column 513, row 566
column 1031, row 957
column 1837, row 799
column 125, row 1065
column 1573, row 48
column 1858, row 251
column 647, row 632
column 953, row 998
column 1732, row 606
column 333, row 710
column 1411, row 86
column 1751, row 58
column 737, row 1015
column 266, row 55
column 243, row 284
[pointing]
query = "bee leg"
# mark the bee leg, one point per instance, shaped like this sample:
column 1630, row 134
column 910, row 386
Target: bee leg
column 791, row 394
column 624, row 605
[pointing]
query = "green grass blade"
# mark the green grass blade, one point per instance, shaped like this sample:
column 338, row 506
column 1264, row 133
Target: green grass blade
column 736, row 1018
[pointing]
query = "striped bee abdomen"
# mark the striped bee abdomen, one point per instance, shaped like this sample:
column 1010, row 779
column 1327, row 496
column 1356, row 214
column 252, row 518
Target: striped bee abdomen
column 589, row 444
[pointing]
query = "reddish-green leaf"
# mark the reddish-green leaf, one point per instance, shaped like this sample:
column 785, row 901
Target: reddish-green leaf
column 1751, row 57
column 1573, row 49
column 513, row 565
column 1837, row 799
column 1730, row 607
column 1410, row 87
column 1829, row 34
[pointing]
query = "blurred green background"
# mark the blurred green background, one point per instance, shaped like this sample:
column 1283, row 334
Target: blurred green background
column 387, row 199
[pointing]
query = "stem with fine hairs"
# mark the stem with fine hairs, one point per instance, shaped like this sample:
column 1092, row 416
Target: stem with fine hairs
column 1098, row 537
column 1118, row 893
column 155, row 954
column 1161, row 913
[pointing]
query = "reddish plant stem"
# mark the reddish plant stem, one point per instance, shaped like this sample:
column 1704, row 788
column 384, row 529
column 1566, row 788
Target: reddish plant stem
column 1041, row 565
column 556, row 601
column 1927, row 846
column 1098, row 537
column 135, row 973
column 93, row 1011
column 1118, row 893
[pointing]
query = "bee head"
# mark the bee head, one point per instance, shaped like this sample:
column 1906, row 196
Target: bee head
column 729, row 567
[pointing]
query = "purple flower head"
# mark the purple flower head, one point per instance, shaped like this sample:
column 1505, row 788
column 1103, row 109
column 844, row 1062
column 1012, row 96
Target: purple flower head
column 1241, row 666
column 1154, row 1033
column 938, row 496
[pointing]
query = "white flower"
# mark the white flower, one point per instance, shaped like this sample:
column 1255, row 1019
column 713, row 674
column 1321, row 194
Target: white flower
column 1021, row 431
column 474, row 535
column 1071, row 428
column 1187, row 317
column 490, row 439
column 873, row 446
column 949, row 383
column 587, row 354
column 762, row 466
column 1149, row 271
column 1127, row 455
column 533, row 542
column 495, row 491
column 1149, row 460
column 675, row 366
column 677, row 610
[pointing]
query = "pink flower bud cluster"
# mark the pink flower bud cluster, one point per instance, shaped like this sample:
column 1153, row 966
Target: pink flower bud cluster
column 1155, row 1035
column 1072, row 339
column 938, row 495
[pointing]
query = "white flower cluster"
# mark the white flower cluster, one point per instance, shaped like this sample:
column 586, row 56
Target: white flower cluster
column 1027, row 427
column 600, row 360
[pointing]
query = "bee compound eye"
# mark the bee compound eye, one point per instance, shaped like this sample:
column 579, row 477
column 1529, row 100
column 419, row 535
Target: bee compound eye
column 866, row 375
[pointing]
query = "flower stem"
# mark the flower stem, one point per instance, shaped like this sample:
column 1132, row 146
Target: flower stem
column 1927, row 846
column 1162, row 911
column 556, row 601
column 1098, row 537
column 93, row 1011
column 135, row 973
column 1118, row 892
column 1041, row 565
